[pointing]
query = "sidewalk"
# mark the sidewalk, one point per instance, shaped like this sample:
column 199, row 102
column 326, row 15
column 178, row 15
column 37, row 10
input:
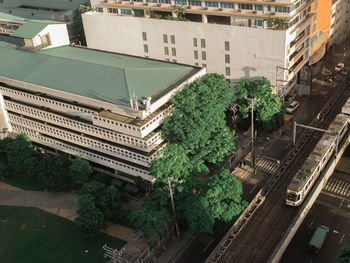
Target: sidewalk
column 60, row 204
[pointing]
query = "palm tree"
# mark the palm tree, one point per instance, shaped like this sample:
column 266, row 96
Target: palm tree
column 179, row 11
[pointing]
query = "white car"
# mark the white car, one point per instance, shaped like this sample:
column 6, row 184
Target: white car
column 292, row 107
column 339, row 67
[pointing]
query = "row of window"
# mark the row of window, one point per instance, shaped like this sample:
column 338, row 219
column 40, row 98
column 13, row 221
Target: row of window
column 74, row 138
column 83, row 127
column 9, row 92
column 87, row 155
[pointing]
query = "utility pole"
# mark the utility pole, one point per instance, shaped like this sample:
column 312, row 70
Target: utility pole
column 234, row 109
column 252, row 103
column 173, row 205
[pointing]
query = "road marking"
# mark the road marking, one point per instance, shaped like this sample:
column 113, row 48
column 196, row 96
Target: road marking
column 342, row 201
column 342, row 237
column 312, row 222
column 252, row 189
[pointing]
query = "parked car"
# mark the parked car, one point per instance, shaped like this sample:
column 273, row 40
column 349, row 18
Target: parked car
column 292, row 107
column 339, row 67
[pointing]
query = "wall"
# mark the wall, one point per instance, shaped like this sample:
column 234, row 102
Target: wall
column 253, row 52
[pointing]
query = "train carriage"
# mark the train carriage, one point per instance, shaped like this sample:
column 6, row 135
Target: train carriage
column 314, row 164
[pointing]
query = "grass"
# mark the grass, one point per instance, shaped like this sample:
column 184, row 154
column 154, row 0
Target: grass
column 30, row 235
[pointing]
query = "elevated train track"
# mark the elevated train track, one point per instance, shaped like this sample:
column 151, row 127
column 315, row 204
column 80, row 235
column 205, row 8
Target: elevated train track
column 256, row 238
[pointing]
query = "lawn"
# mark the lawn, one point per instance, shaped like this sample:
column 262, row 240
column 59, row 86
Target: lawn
column 32, row 235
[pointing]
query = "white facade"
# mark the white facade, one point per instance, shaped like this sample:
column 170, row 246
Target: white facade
column 58, row 35
column 340, row 21
column 243, row 47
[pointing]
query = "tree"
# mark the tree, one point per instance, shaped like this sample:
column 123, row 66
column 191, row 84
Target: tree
column 220, row 200
column 80, row 170
column 110, row 202
column 150, row 12
column 277, row 22
column 344, row 255
column 53, row 169
column 77, row 21
column 269, row 107
column 154, row 215
column 199, row 117
column 17, row 151
column 90, row 218
column 179, row 11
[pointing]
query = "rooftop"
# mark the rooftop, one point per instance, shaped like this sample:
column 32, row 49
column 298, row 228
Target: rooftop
column 30, row 29
column 99, row 75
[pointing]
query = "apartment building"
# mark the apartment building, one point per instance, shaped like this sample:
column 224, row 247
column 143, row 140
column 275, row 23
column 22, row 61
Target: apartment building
column 107, row 106
column 57, row 10
column 235, row 38
column 340, row 21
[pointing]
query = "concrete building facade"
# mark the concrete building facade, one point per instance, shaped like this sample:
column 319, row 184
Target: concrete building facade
column 107, row 106
column 234, row 38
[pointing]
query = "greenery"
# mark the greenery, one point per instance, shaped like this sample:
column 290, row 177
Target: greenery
column 97, row 202
column 268, row 111
column 179, row 11
column 150, row 12
column 80, row 170
column 53, row 170
column 344, row 255
column 198, row 120
column 78, row 23
column 277, row 22
column 30, row 235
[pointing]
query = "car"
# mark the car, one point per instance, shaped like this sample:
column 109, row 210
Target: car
column 339, row 67
column 343, row 72
column 292, row 107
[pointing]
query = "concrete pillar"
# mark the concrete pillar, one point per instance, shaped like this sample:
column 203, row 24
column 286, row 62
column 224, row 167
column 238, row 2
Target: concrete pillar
column 205, row 18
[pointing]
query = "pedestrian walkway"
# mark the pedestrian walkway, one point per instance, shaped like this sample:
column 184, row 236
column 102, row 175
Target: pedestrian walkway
column 58, row 203
column 338, row 187
column 267, row 166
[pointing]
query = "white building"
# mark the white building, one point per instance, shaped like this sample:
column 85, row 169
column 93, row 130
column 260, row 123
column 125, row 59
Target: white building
column 232, row 38
column 340, row 21
column 104, row 105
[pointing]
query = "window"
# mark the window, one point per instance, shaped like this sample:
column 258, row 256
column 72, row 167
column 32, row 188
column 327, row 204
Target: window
column 195, row 42
column 144, row 36
column 194, row 2
column 165, row 38
column 167, row 59
column 227, row 45
column 204, row 65
column 196, row 64
column 174, row 60
column 145, row 48
column 172, row 39
column 282, row 9
column 211, row 4
column 112, row 10
column 173, row 51
column 99, row 9
column 245, row 6
column 204, row 55
column 227, row 5
column 203, row 43
column 195, row 54
column 227, row 71
column 258, row 22
column 180, row 2
column 166, row 51
column 227, row 58
column 258, row 7
column 164, row 1
column 268, row 8
column 125, row 11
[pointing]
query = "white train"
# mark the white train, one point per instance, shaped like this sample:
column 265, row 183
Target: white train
column 317, row 160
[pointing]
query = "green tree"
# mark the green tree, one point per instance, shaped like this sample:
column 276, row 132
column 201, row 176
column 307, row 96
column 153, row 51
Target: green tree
column 268, row 110
column 220, row 200
column 78, row 23
column 17, row 151
column 179, row 11
column 344, row 255
column 89, row 218
column 150, row 12
column 154, row 215
column 80, row 170
column 199, row 116
column 53, row 170
column 110, row 202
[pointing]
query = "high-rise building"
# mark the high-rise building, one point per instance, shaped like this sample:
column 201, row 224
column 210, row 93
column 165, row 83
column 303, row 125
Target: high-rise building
column 237, row 38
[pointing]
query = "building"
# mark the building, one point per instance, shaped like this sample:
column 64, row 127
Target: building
column 107, row 106
column 340, row 21
column 236, row 38
column 57, row 10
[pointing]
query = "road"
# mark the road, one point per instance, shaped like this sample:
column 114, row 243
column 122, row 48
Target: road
column 332, row 209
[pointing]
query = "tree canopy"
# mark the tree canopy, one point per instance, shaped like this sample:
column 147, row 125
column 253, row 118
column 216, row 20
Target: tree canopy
column 198, row 120
column 80, row 170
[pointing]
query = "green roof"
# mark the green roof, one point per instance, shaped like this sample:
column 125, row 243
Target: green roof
column 94, row 74
column 29, row 29
column 10, row 17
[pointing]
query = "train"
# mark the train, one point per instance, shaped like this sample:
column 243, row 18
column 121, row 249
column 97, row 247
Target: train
column 308, row 173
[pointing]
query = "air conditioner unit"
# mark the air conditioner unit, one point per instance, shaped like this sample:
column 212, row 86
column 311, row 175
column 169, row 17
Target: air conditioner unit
column 255, row 12
column 188, row 7
column 159, row 4
column 146, row 3
column 272, row 13
column 119, row 2
column 205, row 7
column 131, row 2
column 238, row 10
column 220, row 9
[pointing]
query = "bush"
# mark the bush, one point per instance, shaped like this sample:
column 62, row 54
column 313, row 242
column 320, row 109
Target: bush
column 53, row 171
column 102, row 178
column 80, row 170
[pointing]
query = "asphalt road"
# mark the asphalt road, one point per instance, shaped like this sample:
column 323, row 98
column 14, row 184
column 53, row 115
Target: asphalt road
column 331, row 211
